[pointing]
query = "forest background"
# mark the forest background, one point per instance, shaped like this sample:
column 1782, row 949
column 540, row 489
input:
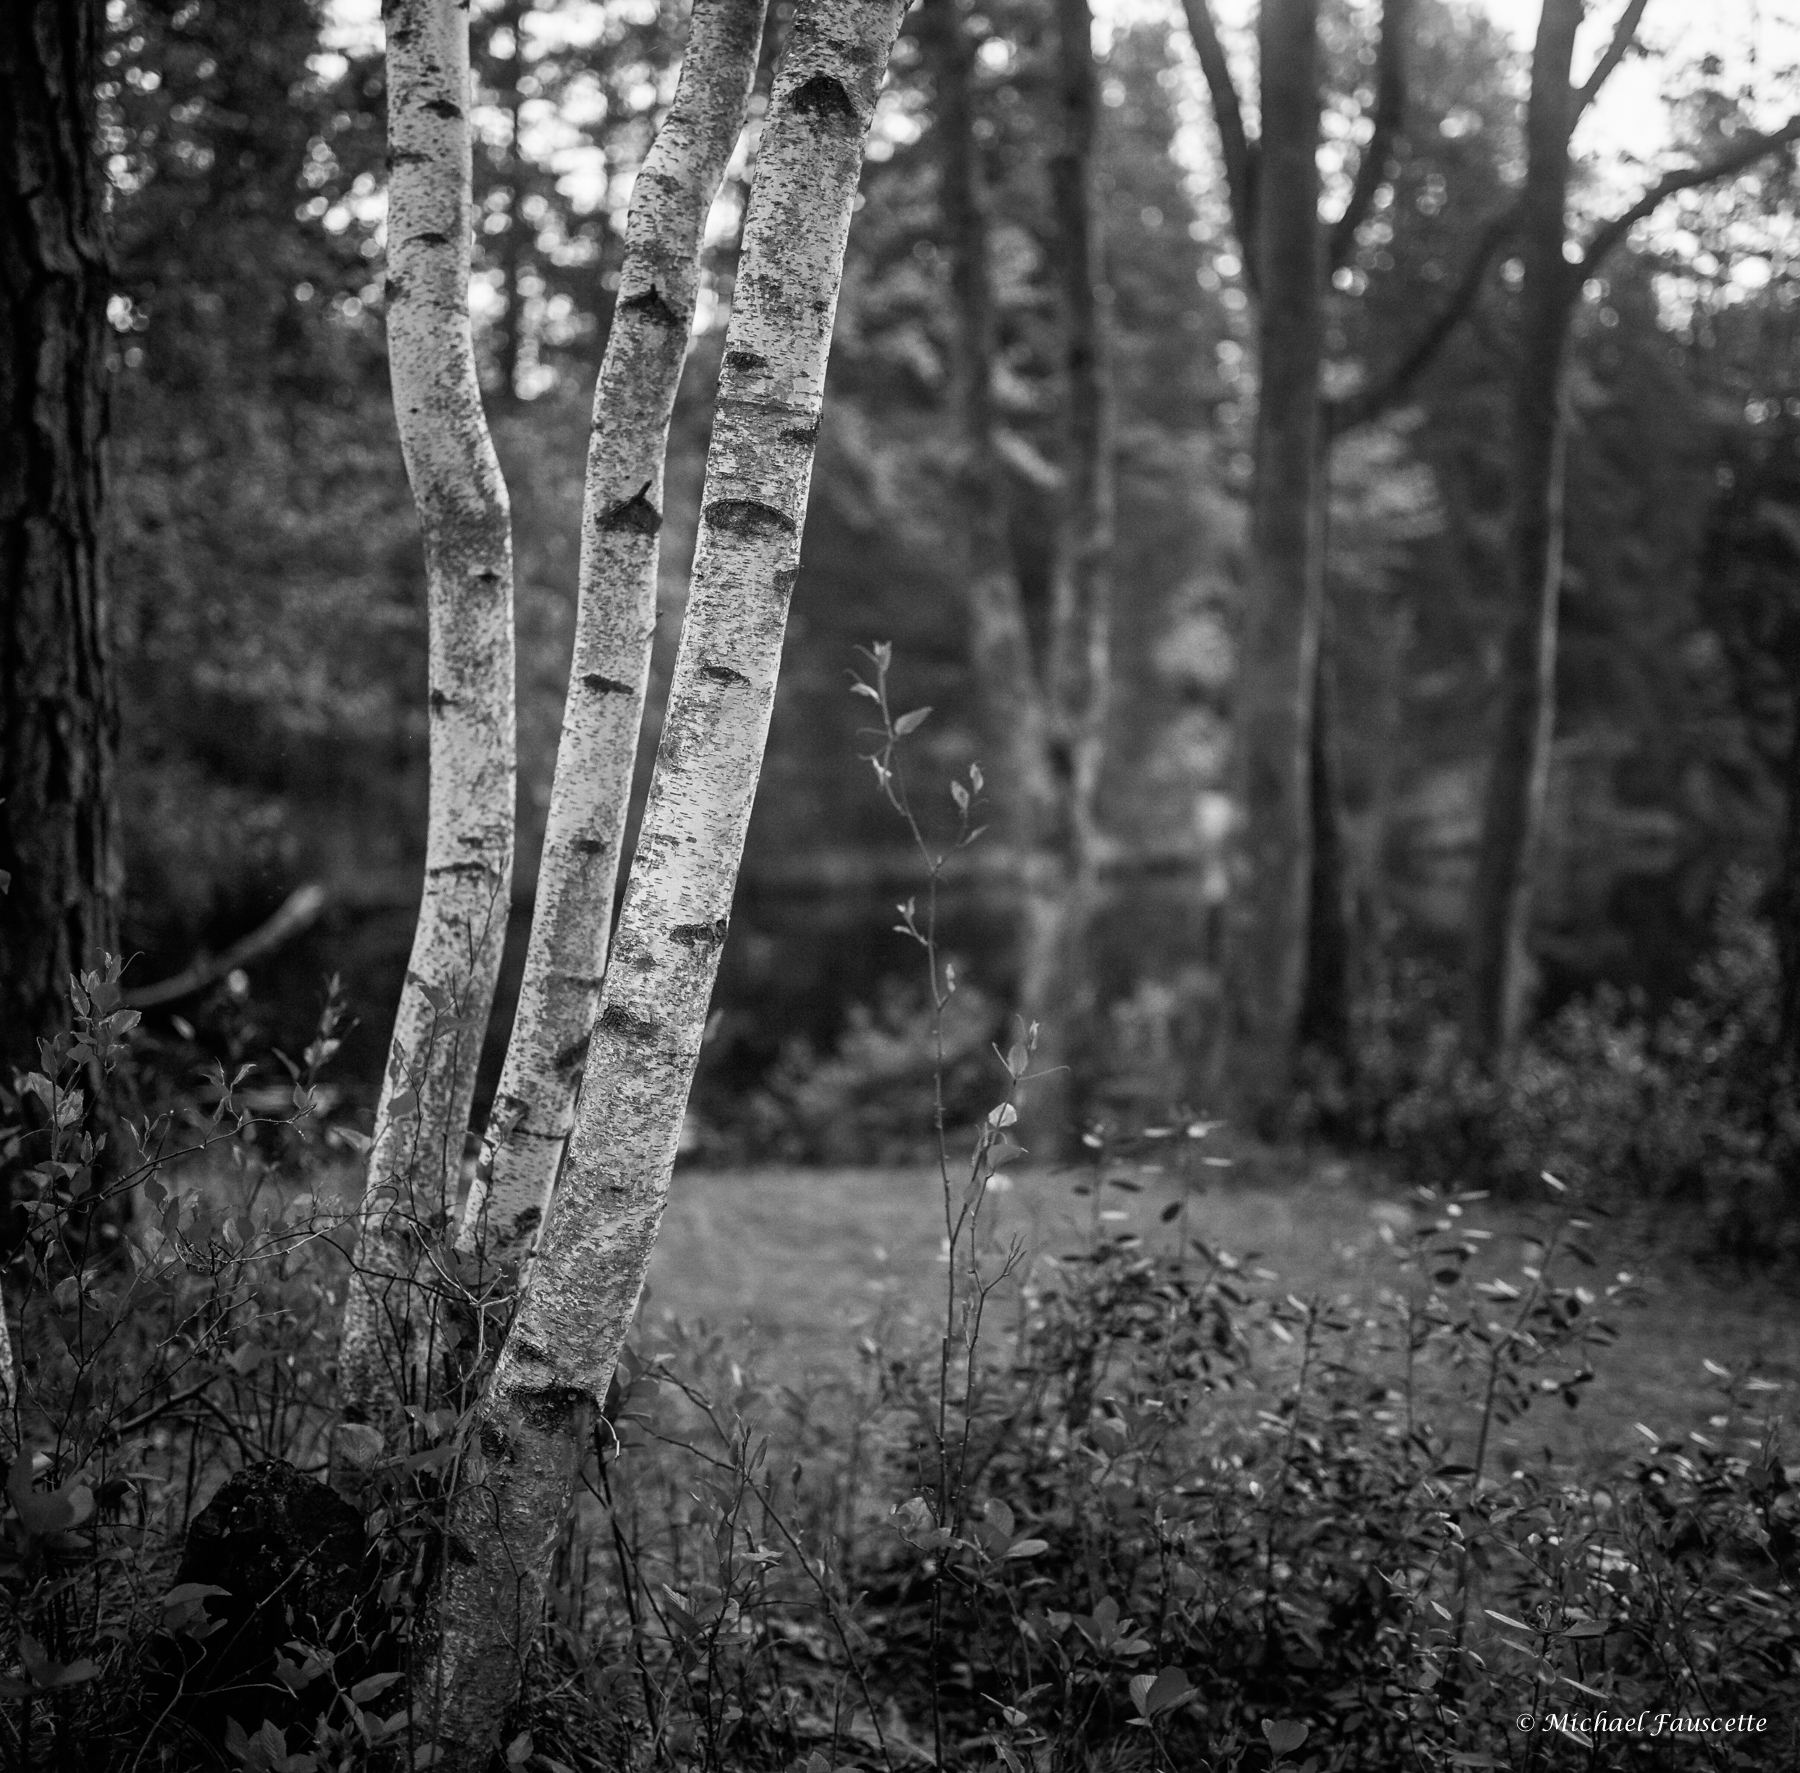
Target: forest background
column 269, row 594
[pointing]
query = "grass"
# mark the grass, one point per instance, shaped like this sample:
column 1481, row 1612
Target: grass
column 804, row 1263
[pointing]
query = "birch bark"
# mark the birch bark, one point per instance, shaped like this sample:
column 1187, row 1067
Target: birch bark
column 581, row 1295
column 420, row 1121
column 614, row 623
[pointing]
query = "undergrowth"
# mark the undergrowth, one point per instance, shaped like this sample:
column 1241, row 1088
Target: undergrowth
column 1131, row 1506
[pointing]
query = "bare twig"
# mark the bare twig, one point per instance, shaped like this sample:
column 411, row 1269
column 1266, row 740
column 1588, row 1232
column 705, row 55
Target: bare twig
column 1235, row 145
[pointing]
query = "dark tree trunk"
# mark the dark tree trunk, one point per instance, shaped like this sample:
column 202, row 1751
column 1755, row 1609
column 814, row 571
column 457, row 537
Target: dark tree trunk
column 1326, row 1006
column 1784, row 904
column 58, row 721
column 1512, row 813
column 1266, row 936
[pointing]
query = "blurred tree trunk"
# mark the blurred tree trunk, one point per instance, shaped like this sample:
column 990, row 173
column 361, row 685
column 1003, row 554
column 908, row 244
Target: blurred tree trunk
column 422, row 1118
column 1048, row 726
column 1266, row 931
column 1287, row 959
column 1015, row 712
column 1518, row 774
column 615, row 622
column 59, row 721
column 1325, row 1008
column 582, row 1293
column 1057, row 985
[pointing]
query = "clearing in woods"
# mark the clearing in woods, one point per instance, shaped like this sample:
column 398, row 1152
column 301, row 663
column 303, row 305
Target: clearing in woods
column 806, row 1264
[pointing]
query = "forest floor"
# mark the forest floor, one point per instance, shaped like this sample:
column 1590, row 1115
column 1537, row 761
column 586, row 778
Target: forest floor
column 809, row 1265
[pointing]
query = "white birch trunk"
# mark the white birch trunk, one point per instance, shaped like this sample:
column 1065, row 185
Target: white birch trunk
column 582, row 1293
column 534, row 1108
column 423, row 1114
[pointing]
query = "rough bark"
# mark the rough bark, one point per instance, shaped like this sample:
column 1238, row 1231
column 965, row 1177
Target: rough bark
column 58, row 712
column 581, row 1295
column 1266, row 929
column 1056, row 984
column 423, row 1113
column 614, row 624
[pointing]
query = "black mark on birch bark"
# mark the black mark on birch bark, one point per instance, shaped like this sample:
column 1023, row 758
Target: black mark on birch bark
column 604, row 685
column 443, row 108
column 590, row 846
column 745, row 360
column 650, row 303
column 807, row 434
column 439, row 701
column 616, row 1019
column 546, row 1411
column 635, row 514
column 574, row 1054
column 826, row 99
column 723, row 674
column 784, row 582
column 458, row 868
column 748, row 517
column 407, row 157
column 429, row 240
column 700, row 935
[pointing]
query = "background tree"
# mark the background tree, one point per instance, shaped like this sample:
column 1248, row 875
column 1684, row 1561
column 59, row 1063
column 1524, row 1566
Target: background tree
column 1554, row 270
column 58, row 724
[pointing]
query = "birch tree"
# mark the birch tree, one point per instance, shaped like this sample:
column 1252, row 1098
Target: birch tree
column 422, row 1116
column 580, row 1296
column 614, row 624
column 1556, row 264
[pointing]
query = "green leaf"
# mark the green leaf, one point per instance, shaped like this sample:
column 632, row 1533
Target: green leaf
column 375, row 1685
column 1283, row 1735
column 910, row 723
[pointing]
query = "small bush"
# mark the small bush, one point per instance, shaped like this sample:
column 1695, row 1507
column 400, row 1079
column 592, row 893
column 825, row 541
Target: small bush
column 1693, row 1108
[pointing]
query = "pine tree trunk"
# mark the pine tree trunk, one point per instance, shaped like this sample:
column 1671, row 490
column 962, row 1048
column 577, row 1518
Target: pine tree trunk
column 1513, row 809
column 1058, row 988
column 582, row 1292
column 423, row 1113
column 58, row 709
column 614, row 624
column 1266, row 933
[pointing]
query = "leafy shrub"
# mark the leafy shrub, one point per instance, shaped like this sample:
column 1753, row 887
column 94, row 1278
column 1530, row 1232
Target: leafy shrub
column 1695, row 1106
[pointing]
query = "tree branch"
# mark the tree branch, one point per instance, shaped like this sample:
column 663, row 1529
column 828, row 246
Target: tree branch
column 1734, row 160
column 1624, row 33
column 298, row 912
column 1234, row 143
column 1389, row 117
column 1349, row 411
